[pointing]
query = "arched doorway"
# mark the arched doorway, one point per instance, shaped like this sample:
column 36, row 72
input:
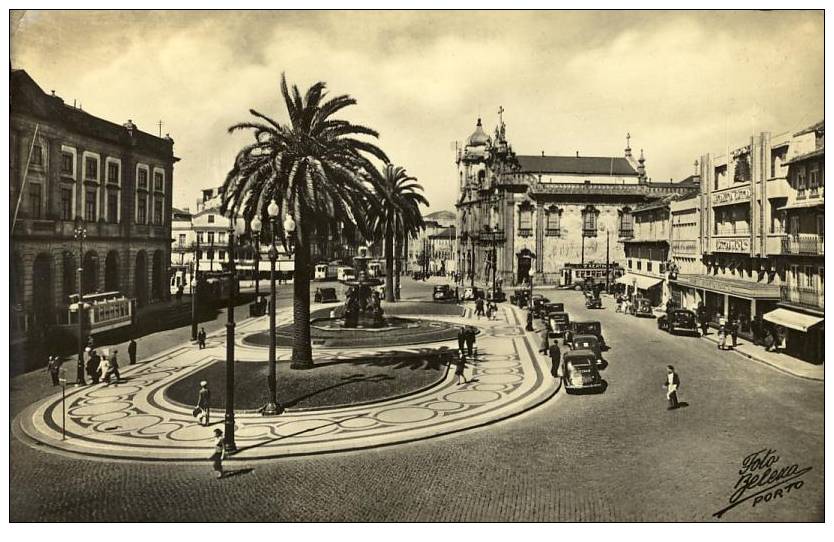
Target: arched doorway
column 42, row 305
column 69, row 269
column 141, row 279
column 89, row 275
column 525, row 263
column 158, row 278
column 111, row 272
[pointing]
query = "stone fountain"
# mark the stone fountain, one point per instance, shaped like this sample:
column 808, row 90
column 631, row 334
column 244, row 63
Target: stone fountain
column 362, row 307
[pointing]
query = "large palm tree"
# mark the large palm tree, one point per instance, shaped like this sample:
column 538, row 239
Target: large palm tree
column 396, row 214
column 315, row 169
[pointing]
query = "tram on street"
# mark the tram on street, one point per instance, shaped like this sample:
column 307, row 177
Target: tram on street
column 577, row 275
column 105, row 311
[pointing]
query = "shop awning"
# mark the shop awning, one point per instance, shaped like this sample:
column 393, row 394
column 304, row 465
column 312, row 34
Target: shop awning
column 643, row 282
column 792, row 319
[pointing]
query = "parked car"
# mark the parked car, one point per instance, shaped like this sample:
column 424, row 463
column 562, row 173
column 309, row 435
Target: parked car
column 417, row 275
column 678, row 320
column 498, row 296
column 558, row 323
column 588, row 342
column 591, row 327
column 538, row 304
column 520, row 297
column 471, row 293
column 325, row 295
column 549, row 308
column 580, row 372
column 443, row 292
column 641, row 306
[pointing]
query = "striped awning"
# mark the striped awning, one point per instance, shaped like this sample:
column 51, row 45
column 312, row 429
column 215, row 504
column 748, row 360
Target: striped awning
column 792, row 319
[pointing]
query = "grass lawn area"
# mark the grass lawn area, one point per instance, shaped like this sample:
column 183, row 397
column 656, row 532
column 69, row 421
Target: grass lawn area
column 328, row 384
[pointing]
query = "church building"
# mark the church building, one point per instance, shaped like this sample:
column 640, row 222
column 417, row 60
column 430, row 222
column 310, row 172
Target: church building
column 557, row 219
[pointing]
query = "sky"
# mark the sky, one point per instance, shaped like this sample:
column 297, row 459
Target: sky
column 681, row 83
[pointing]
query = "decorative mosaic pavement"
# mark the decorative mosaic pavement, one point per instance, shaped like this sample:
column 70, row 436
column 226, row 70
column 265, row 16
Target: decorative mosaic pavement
column 134, row 420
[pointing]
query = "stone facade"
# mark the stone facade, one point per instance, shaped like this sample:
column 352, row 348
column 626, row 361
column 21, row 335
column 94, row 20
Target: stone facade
column 549, row 213
column 83, row 166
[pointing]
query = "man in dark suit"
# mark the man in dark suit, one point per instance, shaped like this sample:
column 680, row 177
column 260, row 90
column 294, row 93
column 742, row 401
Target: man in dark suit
column 555, row 359
column 672, row 384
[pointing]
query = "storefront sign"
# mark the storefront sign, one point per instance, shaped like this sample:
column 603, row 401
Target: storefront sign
column 729, row 197
column 737, row 244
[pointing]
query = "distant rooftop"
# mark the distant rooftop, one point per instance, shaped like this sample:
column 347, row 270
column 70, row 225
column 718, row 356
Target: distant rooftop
column 580, row 165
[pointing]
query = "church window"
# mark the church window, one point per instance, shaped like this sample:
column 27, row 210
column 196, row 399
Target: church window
column 589, row 221
column 525, row 220
column 553, row 221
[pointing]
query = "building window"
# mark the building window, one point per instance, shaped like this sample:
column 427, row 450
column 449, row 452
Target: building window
column 629, row 264
column 66, row 204
column 199, row 237
column 794, row 225
column 112, row 208
column 67, row 164
column 158, row 181
column 639, row 265
column 211, row 219
column 553, row 221
column 113, row 173
column 221, row 237
column 142, row 179
column 181, row 241
column 800, row 179
column 157, row 212
column 525, row 220
column 35, row 200
column 821, row 225
column 141, row 210
column 210, row 236
column 589, row 221
column 809, row 276
column 221, row 255
column 626, row 223
column 37, row 155
column 648, row 266
column 91, row 168
column 90, row 205
column 210, row 254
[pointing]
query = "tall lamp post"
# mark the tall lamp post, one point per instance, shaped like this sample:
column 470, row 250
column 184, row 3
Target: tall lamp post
column 195, row 262
column 272, row 407
column 229, row 438
column 80, row 233
column 256, row 226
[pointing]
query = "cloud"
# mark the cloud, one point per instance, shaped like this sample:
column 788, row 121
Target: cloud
column 682, row 83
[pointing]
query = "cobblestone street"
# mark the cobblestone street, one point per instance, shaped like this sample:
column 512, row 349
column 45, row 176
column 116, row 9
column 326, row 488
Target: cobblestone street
column 573, row 458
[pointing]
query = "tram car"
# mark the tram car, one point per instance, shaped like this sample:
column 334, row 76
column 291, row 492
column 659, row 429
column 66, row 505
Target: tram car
column 105, row 311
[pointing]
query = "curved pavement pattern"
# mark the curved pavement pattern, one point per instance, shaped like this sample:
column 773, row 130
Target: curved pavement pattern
column 133, row 420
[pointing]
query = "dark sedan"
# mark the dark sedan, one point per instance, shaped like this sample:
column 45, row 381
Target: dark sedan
column 679, row 320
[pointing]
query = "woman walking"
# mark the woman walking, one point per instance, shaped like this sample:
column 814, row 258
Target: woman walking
column 219, row 454
column 461, row 366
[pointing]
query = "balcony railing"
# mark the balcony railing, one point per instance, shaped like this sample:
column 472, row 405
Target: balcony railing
column 626, row 234
column 804, row 244
column 525, row 232
column 804, row 296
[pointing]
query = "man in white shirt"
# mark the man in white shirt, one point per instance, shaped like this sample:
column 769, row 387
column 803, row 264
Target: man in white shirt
column 672, row 384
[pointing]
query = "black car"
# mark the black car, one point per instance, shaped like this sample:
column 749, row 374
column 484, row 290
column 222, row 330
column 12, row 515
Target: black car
column 678, row 320
column 520, row 297
column 444, row 292
column 539, row 302
column 586, row 328
column 580, row 372
column 550, row 307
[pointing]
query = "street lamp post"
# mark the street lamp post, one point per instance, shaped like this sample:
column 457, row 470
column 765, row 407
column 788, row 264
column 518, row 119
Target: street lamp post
column 195, row 262
column 80, row 233
column 229, row 438
column 272, row 407
column 531, row 273
column 256, row 226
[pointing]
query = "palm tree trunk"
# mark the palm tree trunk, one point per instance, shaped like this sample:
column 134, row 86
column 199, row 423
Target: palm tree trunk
column 302, row 349
column 398, row 246
column 389, row 267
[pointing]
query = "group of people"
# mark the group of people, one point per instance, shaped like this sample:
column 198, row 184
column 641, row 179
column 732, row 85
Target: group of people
column 491, row 309
column 623, row 303
column 99, row 367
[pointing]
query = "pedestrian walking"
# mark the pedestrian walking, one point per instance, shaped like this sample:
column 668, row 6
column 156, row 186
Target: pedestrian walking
column 545, row 344
column 479, row 307
column 672, row 384
column 53, row 367
column 203, row 410
column 92, row 367
column 112, row 368
column 104, row 367
column 470, row 342
column 179, row 293
column 701, row 311
column 734, row 325
column 131, row 351
column 722, row 336
column 219, row 453
column 462, row 333
column 461, row 366
column 201, row 338
column 555, row 359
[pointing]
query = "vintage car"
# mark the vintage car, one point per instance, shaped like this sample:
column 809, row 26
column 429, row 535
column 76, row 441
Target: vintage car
column 519, row 297
column 471, row 293
column 679, row 320
column 558, row 323
column 586, row 328
column 325, row 295
column 551, row 308
column 443, row 292
column 538, row 302
column 588, row 342
column 498, row 295
column 641, row 306
column 592, row 301
column 580, row 372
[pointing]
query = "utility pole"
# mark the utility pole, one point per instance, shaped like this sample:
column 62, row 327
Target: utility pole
column 607, row 263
